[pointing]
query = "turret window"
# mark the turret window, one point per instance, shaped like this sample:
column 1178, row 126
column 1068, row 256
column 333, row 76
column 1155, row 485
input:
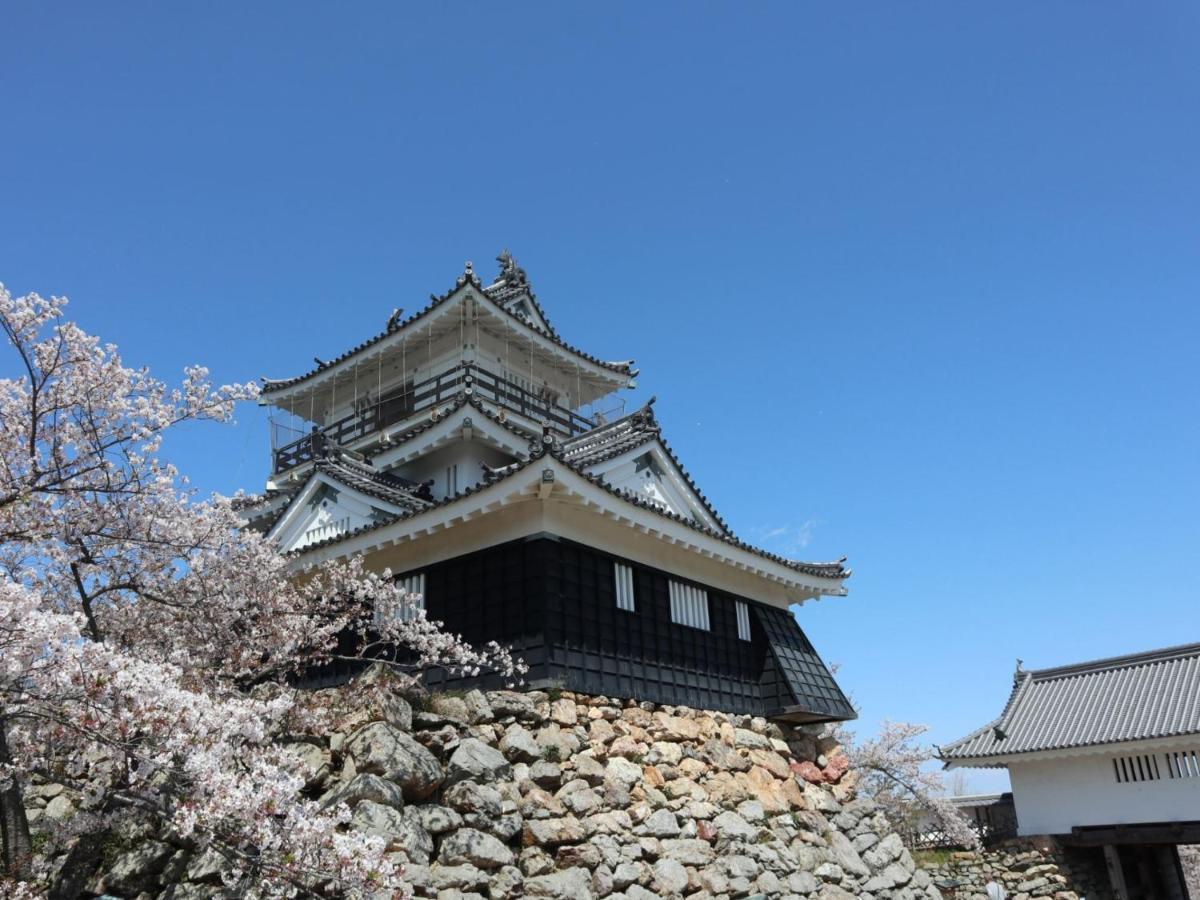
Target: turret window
column 405, row 608
column 743, row 619
column 623, row 581
column 689, row 605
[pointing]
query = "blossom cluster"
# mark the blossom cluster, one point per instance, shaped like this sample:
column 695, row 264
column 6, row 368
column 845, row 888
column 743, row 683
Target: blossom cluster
column 134, row 618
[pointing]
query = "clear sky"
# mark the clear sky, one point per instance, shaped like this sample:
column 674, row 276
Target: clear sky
column 914, row 283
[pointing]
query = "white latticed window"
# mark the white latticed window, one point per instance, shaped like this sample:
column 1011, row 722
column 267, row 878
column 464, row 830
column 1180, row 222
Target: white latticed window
column 623, row 580
column 1141, row 767
column 406, row 609
column 1157, row 766
column 743, row 619
column 689, row 605
column 1183, row 763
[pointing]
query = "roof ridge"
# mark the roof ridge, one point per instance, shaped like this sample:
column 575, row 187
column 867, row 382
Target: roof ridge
column 1116, row 662
column 394, row 325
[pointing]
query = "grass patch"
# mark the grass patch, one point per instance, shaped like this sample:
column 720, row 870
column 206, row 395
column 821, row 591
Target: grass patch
column 932, row 857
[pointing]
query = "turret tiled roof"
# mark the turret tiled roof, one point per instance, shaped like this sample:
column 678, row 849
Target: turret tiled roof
column 1107, row 701
column 395, row 324
column 835, row 569
column 628, row 433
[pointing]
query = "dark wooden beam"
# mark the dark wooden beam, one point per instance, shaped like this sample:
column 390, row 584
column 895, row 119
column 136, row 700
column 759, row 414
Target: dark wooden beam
column 1148, row 833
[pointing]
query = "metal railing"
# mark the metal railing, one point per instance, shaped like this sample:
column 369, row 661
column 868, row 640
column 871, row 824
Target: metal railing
column 406, row 402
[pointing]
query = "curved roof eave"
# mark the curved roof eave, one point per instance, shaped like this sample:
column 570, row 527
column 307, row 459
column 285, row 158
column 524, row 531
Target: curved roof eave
column 282, row 387
column 834, row 571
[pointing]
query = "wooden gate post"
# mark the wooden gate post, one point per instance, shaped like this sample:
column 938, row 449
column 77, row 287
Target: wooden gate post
column 1116, row 875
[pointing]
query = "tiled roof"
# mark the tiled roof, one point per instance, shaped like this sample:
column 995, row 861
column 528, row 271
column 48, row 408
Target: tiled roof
column 612, row 439
column 512, row 282
column 270, row 385
column 835, row 569
column 460, row 400
column 401, row 492
column 608, row 441
column 1106, row 701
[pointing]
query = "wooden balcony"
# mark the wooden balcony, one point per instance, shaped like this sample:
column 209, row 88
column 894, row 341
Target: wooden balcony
column 411, row 400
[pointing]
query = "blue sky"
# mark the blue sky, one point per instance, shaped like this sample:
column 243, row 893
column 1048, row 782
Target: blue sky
column 915, row 283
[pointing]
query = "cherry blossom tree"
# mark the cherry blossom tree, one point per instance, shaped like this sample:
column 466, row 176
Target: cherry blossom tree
column 893, row 768
column 133, row 619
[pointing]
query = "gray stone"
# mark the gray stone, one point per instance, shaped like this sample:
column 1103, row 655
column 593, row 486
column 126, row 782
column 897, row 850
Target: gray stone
column 689, row 851
column 627, row 873
column 845, row 855
column 137, row 870
column 582, row 802
column 476, row 761
column 399, row 831
column 505, row 883
column 865, row 841
column 623, row 772
column 545, row 774
column 59, row 807
column 397, row 712
column 518, row 745
column 730, row 825
column 556, row 742
column 670, row 877
column 511, row 703
column 752, row 811
column 829, row 871
column 365, row 787
column 751, row 740
column 884, row 852
column 740, row 866
column 590, row 769
column 720, row 756
column 662, row 823
column 567, row 884
column 802, row 882
column 470, row 846
column 383, row 749
column 433, row 818
column 207, row 867
column 457, row 877
column 507, row 826
column 551, row 832
column 478, row 708
column 469, row 797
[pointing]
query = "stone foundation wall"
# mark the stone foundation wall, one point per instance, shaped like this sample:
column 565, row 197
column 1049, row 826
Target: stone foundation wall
column 1026, row 869
column 505, row 794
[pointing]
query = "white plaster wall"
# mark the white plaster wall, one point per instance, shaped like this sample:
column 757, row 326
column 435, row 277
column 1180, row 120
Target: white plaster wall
column 465, row 454
column 1054, row 796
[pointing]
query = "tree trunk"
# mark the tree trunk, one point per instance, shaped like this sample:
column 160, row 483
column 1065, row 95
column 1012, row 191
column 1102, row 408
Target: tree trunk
column 14, row 825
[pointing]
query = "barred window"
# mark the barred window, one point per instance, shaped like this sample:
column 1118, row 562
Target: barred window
column 402, row 610
column 689, row 605
column 743, row 619
column 623, row 578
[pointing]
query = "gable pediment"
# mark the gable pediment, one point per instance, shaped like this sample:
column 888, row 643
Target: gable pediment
column 325, row 508
column 649, row 472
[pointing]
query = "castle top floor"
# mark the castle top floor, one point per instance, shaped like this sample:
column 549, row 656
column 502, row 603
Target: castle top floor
column 494, row 343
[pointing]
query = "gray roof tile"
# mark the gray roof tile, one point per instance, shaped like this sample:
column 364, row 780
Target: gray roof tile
column 1126, row 698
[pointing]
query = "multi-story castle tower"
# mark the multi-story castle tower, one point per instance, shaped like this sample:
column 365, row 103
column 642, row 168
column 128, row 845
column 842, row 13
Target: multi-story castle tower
column 464, row 448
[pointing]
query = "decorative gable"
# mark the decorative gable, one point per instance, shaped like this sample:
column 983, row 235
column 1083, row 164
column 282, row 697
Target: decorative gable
column 649, row 473
column 326, row 509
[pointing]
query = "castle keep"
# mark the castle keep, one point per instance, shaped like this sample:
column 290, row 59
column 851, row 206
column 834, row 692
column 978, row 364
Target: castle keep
column 474, row 452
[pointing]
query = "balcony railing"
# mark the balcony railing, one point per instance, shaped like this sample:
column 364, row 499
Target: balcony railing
column 406, row 402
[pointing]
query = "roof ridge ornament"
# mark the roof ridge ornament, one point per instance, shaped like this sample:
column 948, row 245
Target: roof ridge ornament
column 511, row 274
column 468, row 275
